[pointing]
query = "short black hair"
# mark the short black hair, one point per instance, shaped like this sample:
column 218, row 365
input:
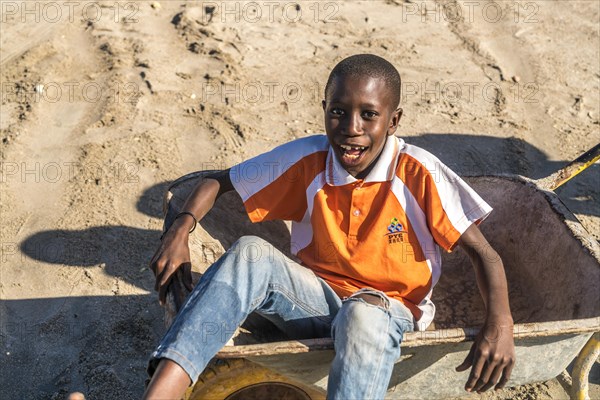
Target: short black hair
column 368, row 65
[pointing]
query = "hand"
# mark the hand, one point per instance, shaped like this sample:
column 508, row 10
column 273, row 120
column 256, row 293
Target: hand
column 172, row 256
column 492, row 357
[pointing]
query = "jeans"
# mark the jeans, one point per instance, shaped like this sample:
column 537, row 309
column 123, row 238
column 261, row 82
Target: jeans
column 253, row 276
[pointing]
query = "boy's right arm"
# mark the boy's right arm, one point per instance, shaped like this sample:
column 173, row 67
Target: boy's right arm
column 174, row 252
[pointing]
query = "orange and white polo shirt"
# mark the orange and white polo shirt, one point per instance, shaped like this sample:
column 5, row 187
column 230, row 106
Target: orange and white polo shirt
column 383, row 232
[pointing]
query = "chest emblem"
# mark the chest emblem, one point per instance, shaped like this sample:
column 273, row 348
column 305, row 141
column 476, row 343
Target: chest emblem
column 395, row 232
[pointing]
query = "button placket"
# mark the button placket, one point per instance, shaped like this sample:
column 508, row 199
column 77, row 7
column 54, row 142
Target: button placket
column 355, row 211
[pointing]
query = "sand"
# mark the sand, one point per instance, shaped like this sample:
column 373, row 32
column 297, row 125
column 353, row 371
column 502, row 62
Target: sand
column 104, row 103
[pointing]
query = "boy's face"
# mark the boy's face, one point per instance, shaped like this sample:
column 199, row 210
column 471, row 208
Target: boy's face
column 359, row 115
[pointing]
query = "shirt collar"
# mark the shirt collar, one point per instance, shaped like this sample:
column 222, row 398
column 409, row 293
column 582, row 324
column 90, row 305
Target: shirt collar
column 384, row 169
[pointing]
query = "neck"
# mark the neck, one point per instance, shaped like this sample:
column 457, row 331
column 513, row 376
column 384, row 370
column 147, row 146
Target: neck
column 363, row 174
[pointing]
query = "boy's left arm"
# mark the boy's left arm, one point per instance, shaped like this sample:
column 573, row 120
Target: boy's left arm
column 492, row 355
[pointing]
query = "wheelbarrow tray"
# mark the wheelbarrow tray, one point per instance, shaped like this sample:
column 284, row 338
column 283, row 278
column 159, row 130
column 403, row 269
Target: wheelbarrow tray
column 552, row 265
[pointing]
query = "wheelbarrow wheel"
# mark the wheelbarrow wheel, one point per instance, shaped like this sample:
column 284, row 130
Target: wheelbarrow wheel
column 240, row 379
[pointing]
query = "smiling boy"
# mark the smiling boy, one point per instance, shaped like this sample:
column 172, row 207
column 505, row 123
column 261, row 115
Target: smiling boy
column 370, row 214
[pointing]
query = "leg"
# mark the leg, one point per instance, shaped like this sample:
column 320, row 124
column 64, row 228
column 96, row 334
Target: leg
column 251, row 276
column 169, row 382
column 367, row 341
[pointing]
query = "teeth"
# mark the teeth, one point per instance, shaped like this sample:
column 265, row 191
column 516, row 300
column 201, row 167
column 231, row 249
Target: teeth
column 345, row 147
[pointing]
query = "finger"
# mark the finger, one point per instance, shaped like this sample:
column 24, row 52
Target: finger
column 187, row 276
column 153, row 261
column 165, row 281
column 488, row 369
column 162, row 293
column 505, row 375
column 468, row 360
column 484, row 376
column 167, row 274
column 157, row 282
column 475, row 372
column 160, row 269
column 492, row 379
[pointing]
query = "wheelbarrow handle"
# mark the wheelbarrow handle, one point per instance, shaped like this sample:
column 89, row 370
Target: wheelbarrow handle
column 581, row 369
column 564, row 174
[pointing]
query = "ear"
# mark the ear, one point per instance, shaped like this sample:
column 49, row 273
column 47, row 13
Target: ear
column 394, row 121
column 324, row 104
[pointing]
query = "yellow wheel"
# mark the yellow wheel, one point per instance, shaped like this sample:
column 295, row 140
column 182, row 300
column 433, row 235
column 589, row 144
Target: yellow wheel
column 240, row 379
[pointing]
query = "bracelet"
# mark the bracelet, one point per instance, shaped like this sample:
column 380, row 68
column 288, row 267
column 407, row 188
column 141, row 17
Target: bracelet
column 191, row 215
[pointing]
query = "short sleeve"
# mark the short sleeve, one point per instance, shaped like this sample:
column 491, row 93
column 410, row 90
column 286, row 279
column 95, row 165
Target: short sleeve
column 451, row 204
column 273, row 185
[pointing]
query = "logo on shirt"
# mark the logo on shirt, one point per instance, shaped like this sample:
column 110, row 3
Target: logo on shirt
column 395, row 231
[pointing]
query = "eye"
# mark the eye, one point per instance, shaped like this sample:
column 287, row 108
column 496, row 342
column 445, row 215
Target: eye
column 337, row 111
column 370, row 114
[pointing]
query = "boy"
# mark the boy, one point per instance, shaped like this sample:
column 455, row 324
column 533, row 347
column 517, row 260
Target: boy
column 369, row 213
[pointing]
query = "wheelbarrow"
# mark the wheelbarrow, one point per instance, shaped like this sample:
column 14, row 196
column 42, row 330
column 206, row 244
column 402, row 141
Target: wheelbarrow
column 552, row 266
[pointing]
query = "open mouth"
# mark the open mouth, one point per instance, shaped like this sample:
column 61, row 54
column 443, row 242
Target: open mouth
column 352, row 154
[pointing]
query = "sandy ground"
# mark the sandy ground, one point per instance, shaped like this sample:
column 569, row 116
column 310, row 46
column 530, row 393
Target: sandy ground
column 104, row 103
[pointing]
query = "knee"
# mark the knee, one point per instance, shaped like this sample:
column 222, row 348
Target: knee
column 357, row 319
column 248, row 240
column 250, row 256
column 250, row 249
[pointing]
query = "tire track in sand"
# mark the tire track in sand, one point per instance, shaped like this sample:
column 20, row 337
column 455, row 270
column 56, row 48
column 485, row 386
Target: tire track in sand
column 509, row 61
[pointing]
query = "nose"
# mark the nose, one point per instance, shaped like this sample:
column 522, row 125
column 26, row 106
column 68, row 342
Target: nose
column 354, row 125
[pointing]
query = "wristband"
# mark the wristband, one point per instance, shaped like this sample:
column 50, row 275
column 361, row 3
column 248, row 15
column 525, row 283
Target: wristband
column 191, row 215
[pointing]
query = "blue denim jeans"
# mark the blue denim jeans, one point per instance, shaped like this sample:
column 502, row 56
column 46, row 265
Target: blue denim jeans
column 253, row 276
